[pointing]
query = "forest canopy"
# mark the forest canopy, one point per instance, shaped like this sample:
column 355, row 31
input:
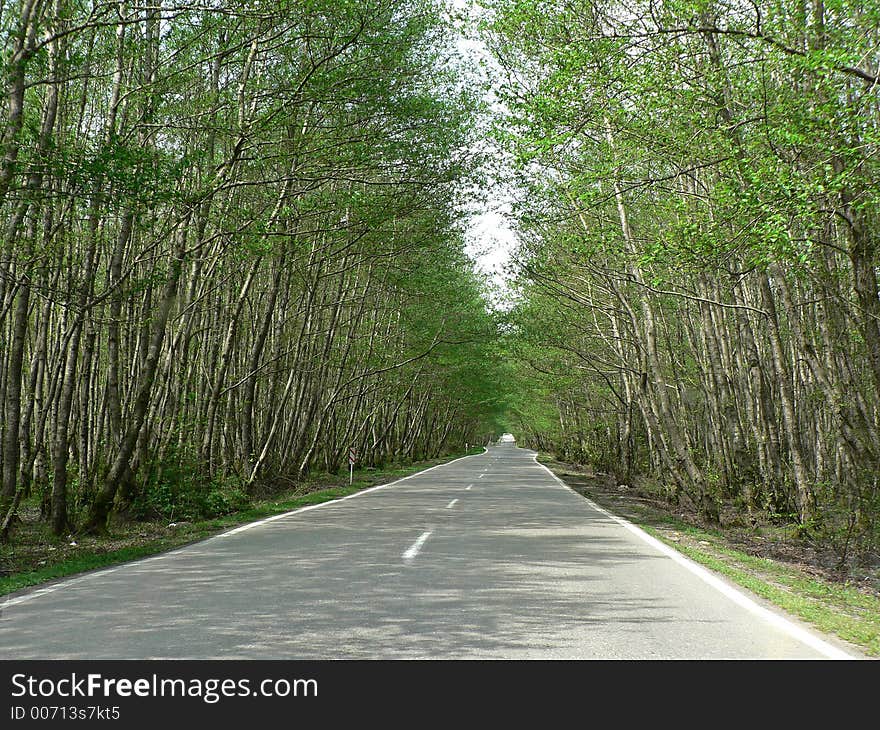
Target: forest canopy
column 232, row 248
column 697, row 300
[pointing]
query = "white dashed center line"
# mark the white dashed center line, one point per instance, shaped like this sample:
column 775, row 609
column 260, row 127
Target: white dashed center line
column 451, row 504
column 413, row 549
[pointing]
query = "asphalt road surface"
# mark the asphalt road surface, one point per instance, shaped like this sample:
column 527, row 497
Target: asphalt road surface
column 488, row 556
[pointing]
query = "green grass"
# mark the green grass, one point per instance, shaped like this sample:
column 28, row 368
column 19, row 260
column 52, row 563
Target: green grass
column 86, row 560
column 82, row 563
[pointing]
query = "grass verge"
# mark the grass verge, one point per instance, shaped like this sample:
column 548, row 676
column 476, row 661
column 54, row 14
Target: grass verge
column 843, row 609
column 37, row 557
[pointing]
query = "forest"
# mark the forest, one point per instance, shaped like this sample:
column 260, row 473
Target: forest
column 231, row 250
column 234, row 247
column 697, row 289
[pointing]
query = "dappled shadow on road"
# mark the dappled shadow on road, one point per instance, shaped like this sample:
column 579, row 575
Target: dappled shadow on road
column 274, row 604
column 517, row 570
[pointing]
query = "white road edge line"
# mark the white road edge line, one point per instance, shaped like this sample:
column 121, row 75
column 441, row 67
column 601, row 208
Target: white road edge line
column 106, row 571
column 251, row 525
column 452, row 503
column 735, row 595
column 413, row 549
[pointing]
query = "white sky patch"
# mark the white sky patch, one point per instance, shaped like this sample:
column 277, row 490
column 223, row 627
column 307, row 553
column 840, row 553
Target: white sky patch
column 491, row 241
column 490, row 238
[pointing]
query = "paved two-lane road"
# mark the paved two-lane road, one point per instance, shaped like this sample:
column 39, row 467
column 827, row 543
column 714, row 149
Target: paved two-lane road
column 488, row 556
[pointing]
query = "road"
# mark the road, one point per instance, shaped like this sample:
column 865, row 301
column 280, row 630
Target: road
column 488, row 556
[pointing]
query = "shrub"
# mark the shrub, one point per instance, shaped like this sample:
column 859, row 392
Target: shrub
column 178, row 490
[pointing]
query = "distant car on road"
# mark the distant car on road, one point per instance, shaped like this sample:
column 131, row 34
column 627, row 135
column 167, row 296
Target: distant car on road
column 506, row 437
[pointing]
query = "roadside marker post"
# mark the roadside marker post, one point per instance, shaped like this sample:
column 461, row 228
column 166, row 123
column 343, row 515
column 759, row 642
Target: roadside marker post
column 352, row 457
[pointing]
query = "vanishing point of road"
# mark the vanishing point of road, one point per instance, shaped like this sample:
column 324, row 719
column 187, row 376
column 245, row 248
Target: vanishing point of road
column 486, row 557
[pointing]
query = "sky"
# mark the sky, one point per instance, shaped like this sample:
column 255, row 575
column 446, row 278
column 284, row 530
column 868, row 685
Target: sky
column 490, row 237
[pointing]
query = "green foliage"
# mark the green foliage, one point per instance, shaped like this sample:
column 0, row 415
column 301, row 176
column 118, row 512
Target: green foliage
column 667, row 177
column 849, row 523
column 178, row 490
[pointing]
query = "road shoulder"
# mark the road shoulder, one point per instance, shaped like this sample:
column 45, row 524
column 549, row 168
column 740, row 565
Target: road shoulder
column 846, row 612
column 44, row 560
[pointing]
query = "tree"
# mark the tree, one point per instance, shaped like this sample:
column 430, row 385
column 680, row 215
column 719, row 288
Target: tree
column 688, row 232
